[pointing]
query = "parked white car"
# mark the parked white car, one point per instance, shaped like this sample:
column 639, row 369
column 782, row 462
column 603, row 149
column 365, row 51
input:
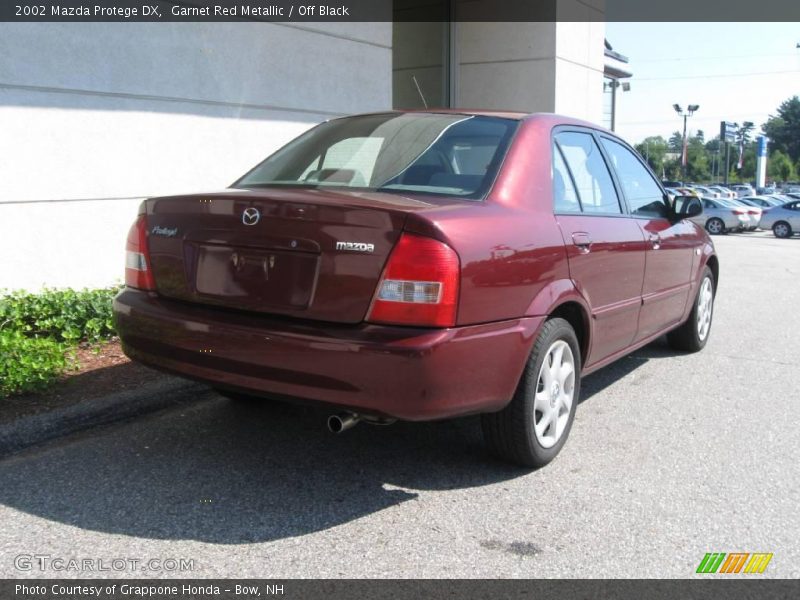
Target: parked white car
column 754, row 213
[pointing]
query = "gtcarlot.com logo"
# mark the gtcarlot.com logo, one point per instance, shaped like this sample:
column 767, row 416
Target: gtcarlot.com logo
column 47, row 562
column 733, row 563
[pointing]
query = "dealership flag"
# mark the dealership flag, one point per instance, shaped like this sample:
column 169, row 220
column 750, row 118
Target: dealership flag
column 741, row 154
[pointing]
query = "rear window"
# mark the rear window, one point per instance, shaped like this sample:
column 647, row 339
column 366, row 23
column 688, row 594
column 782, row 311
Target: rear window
column 453, row 155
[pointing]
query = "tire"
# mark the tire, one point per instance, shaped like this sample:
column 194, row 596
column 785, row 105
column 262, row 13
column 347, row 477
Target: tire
column 511, row 434
column 715, row 226
column 782, row 229
column 693, row 334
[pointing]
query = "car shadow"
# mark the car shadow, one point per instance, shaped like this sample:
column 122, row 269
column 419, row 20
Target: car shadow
column 237, row 472
column 599, row 380
column 229, row 472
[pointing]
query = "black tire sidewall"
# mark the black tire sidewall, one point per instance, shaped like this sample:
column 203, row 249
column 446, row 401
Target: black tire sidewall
column 788, row 228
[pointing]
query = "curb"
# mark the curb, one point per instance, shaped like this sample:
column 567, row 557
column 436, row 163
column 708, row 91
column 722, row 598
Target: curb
column 36, row 429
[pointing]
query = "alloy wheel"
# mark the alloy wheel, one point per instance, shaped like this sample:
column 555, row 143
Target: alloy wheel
column 555, row 392
column 781, row 230
column 705, row 307
column 715, row 226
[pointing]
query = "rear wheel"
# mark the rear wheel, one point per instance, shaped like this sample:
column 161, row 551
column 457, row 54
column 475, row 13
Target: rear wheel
column 533, row 428
column 715, row 226
column 782, row 229
column 693, row 334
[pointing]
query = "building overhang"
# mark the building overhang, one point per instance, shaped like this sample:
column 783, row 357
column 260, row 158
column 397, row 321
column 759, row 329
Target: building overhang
column 615, row 72
column 614, row 68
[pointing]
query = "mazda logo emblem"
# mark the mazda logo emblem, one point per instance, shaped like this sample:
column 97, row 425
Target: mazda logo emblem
column 250, row 216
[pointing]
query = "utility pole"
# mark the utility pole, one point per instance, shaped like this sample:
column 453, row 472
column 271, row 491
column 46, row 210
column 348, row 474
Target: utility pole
column 727, row 161
column 690, row 110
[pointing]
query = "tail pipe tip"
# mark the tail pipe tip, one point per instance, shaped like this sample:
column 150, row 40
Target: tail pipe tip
column 342, row 422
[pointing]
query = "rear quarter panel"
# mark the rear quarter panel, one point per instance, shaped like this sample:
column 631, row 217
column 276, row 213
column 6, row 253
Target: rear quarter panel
column 510, row 246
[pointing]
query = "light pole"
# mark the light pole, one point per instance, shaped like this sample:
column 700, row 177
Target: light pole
column 690, row 110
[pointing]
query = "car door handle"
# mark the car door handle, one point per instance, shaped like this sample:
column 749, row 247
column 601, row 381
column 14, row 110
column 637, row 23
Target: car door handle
column 582, row 240
column 655, row 241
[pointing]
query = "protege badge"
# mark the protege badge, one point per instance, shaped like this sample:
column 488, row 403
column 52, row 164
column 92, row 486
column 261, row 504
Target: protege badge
column 165, row 231
column 355, row 246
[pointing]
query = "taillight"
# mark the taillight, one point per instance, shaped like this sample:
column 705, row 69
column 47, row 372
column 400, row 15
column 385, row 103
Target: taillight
column 419, row 285
column 738, row 211
column 138, row 272
column 752, row 212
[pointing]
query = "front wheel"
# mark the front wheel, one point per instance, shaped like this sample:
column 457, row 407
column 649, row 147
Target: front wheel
column 531, row 430
column 693, row 334
column 782, row 229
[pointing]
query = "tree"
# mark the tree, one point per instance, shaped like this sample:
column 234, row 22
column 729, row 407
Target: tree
column 748, row 171
column 676, row 142
column 697, row 163
column 783, row 130
column 780, row 167
column 654, row 150
column 700, row 136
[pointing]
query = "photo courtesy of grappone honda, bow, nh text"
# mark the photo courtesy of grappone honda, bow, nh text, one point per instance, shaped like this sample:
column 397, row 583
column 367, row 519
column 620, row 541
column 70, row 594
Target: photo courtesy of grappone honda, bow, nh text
column 420, row 266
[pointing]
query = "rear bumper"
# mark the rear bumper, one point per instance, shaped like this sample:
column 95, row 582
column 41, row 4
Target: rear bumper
column 399, row 372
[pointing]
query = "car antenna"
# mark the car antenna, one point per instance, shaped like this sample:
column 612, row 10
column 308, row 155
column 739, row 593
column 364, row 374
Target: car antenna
column 425, row 104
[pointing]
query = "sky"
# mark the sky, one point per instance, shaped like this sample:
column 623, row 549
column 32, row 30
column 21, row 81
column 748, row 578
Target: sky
column 734, row 71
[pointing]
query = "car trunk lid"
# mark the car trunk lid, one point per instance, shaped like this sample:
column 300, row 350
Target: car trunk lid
column 304, row 253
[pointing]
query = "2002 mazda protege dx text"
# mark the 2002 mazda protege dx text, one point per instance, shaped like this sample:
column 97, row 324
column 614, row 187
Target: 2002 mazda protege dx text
column 422, row 265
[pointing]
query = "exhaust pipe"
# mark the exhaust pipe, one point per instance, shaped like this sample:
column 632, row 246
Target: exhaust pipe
column 342, row 422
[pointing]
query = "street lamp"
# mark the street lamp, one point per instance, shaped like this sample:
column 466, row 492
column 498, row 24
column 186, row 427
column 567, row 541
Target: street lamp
column 690, row 110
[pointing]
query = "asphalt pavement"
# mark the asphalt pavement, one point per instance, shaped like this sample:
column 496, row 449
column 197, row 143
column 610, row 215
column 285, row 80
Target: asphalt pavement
column 671, row 456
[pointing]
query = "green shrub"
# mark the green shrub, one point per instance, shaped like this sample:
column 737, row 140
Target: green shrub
column 69, row 316
column 29, row 364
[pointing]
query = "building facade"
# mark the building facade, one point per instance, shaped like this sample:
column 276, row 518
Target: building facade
column 94, row 117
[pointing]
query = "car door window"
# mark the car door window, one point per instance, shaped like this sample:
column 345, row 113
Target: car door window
column 595, row 187
column 565, row 197
column 643, row 194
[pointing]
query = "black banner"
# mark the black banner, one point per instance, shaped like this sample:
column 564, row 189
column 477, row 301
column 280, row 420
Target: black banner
column 747, row 587
column 398, row 10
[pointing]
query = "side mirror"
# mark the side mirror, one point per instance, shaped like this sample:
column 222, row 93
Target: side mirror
column 686, row 207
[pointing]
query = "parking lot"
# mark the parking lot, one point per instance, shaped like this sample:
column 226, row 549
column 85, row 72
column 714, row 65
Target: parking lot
column 671, row 456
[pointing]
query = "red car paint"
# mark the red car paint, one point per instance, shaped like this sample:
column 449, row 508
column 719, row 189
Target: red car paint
column 621, row 280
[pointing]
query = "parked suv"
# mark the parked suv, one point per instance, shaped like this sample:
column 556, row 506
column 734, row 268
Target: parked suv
column 422, row 265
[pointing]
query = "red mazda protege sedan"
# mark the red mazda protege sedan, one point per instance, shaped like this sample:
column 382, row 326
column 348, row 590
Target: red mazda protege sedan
column 422, row 265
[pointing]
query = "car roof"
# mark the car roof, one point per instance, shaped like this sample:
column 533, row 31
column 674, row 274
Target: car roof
column 550, row 118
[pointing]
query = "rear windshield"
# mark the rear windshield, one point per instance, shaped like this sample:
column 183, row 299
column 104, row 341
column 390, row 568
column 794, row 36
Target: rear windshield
column 452, row 155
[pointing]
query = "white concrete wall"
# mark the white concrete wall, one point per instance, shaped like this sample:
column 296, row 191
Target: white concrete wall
column 107, row 114
column 506, row 66
column 532, row 67
column 579, row 55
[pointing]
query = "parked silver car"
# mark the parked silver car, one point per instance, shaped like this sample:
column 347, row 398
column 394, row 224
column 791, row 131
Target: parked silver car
column 762, row 201
column 743, row 190
column 723, row 192
column 719, row 216
column 706, row 192
column 783, row 220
